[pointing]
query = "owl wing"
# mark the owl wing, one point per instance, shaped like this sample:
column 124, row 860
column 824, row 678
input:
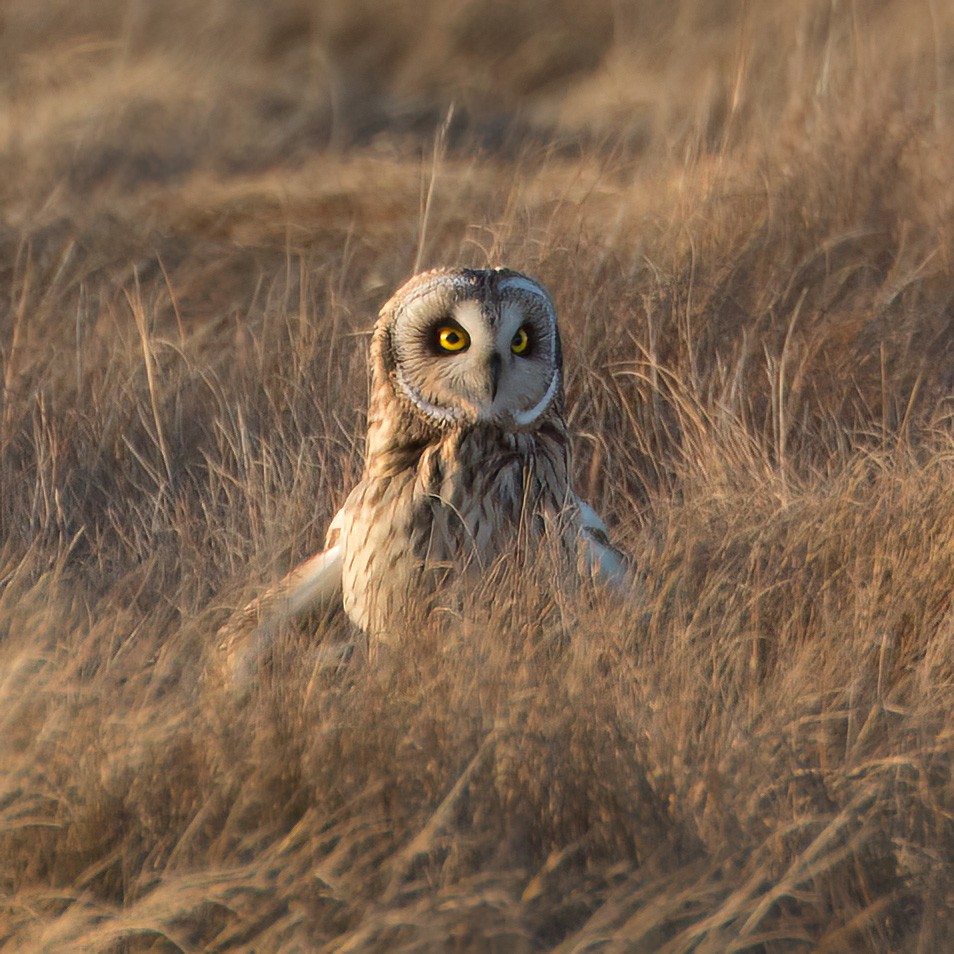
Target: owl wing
column 601, row 558
column 313, row 584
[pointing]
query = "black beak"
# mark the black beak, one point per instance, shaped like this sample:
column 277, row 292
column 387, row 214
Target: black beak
column 496, row 365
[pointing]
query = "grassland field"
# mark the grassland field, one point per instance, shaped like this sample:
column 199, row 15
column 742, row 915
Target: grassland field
column 745, row 215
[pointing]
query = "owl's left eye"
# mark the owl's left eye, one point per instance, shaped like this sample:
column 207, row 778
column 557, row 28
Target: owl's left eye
column 520, row 342
column 451, row 339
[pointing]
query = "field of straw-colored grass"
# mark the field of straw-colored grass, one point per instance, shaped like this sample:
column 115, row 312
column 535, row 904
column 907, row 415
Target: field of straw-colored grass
column 745, row 214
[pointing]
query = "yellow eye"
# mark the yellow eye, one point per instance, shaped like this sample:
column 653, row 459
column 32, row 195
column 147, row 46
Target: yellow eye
column 452, row 339
column 520, row 342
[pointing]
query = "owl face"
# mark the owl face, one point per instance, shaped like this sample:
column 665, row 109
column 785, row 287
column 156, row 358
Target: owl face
column 474, row 346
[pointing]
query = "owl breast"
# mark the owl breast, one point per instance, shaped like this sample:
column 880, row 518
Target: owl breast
column 417, row 540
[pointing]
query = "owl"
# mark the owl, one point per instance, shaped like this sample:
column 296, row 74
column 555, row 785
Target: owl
column 467, row 467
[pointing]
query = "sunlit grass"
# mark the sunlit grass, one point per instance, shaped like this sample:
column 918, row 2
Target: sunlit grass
column 745, row 221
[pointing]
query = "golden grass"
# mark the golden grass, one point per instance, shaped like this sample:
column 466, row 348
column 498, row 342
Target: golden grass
column 744, row 213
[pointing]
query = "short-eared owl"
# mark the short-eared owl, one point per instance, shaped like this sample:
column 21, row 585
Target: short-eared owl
column 467, row 463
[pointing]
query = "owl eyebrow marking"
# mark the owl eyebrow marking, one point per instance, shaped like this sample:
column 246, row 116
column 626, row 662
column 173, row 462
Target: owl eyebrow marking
column 445, row 321
column 427, row 287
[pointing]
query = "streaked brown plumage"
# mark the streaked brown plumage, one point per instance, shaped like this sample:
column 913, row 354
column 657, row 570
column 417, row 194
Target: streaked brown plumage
column 467, row 465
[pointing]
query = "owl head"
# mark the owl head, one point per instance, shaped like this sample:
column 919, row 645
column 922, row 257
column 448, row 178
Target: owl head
column 465, row 346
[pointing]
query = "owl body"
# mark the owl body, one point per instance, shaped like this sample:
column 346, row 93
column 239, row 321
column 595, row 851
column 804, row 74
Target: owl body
column 467, row 466
column 477, row 500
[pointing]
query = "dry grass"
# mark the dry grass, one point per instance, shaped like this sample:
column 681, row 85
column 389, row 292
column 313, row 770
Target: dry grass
column 745, row 215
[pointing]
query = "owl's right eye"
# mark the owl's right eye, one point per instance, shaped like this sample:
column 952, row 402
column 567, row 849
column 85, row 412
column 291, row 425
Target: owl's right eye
column 451, row 339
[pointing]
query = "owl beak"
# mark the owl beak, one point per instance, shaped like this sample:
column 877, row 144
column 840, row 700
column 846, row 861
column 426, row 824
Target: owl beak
column 494, row 366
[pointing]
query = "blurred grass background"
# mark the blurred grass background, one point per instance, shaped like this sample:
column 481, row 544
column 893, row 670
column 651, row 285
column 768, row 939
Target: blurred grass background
column 744, row 213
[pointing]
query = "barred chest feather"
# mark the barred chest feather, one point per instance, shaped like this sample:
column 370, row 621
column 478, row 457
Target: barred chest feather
column 475, row 498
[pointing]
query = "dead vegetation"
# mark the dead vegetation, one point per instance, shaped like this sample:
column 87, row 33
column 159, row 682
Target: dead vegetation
column 744, row 213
